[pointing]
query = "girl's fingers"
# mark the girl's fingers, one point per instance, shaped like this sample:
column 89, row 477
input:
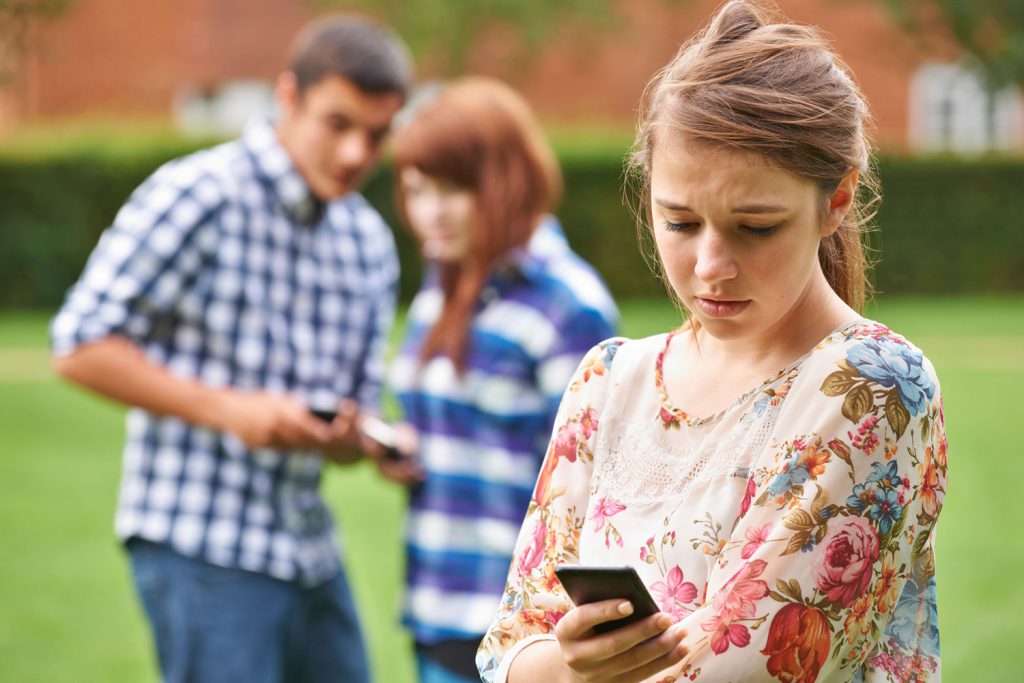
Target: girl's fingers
column 583, row 649
column 651, row 656
column 579, row 622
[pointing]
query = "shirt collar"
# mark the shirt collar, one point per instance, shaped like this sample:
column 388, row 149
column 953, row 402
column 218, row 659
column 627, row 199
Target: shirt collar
column 547, row 242
column 276, row 165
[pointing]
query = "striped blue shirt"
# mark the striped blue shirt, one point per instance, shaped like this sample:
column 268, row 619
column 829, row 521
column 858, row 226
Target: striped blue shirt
column 483, row 435
column 223, row 267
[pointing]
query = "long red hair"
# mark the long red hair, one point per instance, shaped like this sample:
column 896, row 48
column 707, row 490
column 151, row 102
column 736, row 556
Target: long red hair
column 479, row 134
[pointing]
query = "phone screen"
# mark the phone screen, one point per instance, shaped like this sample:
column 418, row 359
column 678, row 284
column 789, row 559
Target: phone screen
column 383, row 433
column 593, row 584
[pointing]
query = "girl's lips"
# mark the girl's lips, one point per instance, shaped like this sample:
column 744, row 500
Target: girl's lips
column 720, row 309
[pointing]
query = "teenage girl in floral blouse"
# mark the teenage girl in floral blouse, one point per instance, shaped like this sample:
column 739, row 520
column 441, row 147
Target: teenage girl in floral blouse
column 774, row 468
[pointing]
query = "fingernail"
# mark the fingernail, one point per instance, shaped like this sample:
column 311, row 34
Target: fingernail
column 625, row 608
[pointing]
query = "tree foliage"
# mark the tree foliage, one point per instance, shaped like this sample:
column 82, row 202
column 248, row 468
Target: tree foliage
column 990, row 30
column 15, row 16
column 24, row 9
column 446, row 29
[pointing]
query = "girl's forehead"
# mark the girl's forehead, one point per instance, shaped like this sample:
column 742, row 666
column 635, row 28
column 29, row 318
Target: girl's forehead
column 692, row 176
column 670, row 143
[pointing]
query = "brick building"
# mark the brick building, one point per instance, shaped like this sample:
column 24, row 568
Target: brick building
column 209, row 62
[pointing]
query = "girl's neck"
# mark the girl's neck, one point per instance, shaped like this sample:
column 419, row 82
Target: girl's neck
column 811, row 319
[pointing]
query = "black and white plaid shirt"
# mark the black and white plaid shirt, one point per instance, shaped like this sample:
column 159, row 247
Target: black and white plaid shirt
column 223, row 267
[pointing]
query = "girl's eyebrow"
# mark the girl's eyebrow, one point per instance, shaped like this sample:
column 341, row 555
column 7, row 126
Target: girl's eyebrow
column 753, row 208
column 759, row 208
column 671, row 205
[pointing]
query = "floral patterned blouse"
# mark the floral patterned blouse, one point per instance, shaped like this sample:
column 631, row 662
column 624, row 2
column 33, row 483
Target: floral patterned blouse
column 792, row 533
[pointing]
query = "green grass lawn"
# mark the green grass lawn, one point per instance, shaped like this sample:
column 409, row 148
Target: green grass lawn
column 67, row 611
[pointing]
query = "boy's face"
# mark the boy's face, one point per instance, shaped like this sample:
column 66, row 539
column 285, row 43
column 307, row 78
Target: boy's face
column 333, row 131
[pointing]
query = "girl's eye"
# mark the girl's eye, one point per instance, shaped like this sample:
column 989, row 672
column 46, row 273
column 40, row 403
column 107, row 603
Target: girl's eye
column 758, row 231
column 680, row 227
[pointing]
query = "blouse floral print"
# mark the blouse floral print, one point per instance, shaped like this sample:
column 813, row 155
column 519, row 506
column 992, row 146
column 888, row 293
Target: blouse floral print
column 792, row 533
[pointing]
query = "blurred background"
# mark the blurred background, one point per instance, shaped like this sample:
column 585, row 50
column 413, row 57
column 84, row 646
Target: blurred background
column 95, row 94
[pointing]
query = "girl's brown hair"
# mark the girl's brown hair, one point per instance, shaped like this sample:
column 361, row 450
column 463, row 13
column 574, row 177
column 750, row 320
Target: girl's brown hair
column 776, row 90
column 481, row 135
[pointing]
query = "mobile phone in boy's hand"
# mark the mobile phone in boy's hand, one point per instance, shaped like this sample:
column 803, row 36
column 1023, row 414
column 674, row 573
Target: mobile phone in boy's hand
column 325, row 415
column 382, row 433
column 373, row 428
column 593, row 584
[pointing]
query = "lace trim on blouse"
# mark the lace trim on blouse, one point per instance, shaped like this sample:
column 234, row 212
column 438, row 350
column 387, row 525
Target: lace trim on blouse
column 643, row 467
column 652, row 467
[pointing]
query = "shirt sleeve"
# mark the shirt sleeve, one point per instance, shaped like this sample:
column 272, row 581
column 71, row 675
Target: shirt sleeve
column 830, row 566
column 142, row 262
column 534, row 600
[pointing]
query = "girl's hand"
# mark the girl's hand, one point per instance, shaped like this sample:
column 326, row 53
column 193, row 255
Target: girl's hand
column 632, row 653
column 406, row 471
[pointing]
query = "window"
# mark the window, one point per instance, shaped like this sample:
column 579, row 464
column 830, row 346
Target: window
column 953, row 109
column 222, row 110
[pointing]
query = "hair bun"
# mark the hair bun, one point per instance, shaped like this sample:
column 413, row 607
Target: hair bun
column 736, row 19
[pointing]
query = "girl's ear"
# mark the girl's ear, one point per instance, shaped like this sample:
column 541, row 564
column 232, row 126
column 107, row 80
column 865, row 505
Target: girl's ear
column 839, row 202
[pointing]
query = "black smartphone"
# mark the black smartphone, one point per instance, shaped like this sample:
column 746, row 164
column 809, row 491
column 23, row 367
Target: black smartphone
column 373, row 428
column 325, row 415
column 592, row 584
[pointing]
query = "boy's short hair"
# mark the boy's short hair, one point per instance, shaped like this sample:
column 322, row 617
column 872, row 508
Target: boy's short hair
column 368, row 54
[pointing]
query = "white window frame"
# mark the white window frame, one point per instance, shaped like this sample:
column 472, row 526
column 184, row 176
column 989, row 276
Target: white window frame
column 952, row 109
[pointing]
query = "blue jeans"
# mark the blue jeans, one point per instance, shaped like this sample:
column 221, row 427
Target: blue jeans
column 212, row 624
column 432, row 672
column 448, row 661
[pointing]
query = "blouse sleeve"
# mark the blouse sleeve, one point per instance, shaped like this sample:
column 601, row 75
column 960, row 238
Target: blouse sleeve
column 534, row 600
column 829, row 568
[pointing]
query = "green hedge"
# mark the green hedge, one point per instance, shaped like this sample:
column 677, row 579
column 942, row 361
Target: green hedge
column 947, row 225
